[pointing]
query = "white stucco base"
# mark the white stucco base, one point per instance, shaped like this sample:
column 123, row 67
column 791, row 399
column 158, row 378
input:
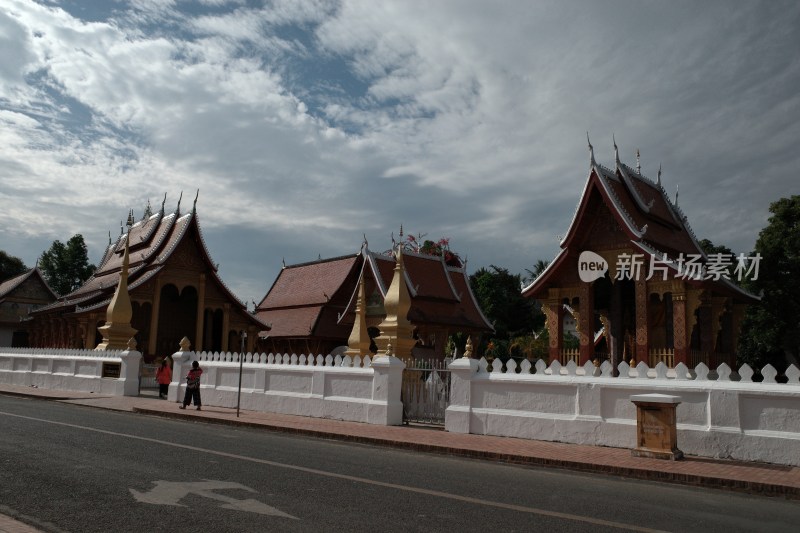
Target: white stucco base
column 721, row 419
column 289, row 385
column 71, row 370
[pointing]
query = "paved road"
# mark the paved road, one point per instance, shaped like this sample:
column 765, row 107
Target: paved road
column 72, row 468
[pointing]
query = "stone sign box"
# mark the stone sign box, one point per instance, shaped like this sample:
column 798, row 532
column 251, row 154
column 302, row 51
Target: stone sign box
column 656, row 427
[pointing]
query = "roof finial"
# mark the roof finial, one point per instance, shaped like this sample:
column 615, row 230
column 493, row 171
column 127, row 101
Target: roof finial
column 365, row 244
column 162, row 204
column 401, row 232
column 658, row 179
column 178, row 209
column 616, row 150
column 148, row 211
column 109, row 237
column 130, row 220
column 194, row 206
column 591, row 150
column 638, row 163
column 283, row 260
column 676, row 195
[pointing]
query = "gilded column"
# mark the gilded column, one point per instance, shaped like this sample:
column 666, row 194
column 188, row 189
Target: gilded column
column 226, row 324
column 717, row 310
column 554, row 320
column 642, row 337
column 201, row 307
column 679, row 333
column 586, row 322
column 736, row 325
column 154, row 316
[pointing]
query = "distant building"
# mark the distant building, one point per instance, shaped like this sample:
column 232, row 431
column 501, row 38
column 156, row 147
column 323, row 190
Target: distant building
column 654, row 311
column 18, row 297
column 174, row 289
column 311, row 306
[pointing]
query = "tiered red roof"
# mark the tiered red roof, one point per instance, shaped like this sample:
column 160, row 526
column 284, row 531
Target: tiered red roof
column 153, row 242
column 318, row 299
column 643, row 212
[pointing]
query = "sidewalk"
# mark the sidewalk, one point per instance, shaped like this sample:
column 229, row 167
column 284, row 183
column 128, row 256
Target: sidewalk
column 766, row 479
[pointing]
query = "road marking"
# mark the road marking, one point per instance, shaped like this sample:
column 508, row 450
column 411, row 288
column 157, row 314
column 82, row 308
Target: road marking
column 171, row 493
column 417, row 490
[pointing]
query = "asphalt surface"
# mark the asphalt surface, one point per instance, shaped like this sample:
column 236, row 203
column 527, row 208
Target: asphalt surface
column 69, row 468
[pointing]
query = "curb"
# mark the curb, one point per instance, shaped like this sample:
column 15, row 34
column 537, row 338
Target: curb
column 696, row 480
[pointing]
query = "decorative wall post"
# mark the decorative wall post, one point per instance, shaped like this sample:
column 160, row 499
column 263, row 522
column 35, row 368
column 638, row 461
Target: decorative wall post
column 458, row 413
column 387, row 382
column 180, row 364
column 129, row 369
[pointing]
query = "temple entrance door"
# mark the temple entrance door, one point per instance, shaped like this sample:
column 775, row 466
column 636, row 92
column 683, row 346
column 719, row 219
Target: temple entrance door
column 177, row 318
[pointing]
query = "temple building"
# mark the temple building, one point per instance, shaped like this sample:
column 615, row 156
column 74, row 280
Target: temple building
column 311, row 307
column 174, row 288
column 637, row 280
column 18, row 297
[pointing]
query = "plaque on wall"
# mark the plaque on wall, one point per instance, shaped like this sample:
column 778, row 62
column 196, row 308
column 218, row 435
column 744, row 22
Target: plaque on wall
column 111, row 370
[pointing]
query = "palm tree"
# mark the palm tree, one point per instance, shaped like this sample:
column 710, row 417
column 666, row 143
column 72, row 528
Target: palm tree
column 538, row 267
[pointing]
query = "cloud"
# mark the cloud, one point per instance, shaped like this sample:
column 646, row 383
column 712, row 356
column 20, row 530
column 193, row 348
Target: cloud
column 306, row 125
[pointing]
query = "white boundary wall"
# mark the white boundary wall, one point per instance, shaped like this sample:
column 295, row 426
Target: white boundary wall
column 339, row 388
column 70, row 370
column 585, row 405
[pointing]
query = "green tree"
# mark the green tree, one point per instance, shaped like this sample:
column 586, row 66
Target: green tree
column 710, row 248
column 10, row 266
column 771, row 330
column 498, row 293
column 66, row 266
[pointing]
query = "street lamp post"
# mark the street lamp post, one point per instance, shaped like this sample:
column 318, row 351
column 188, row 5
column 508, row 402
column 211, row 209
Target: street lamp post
column 241, row 363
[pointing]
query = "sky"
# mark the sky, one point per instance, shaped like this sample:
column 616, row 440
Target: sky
column 306, row 126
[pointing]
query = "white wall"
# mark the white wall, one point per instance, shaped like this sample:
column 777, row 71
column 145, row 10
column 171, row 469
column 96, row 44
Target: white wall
column 323, row 387
column 716, row 418
column 70, row 370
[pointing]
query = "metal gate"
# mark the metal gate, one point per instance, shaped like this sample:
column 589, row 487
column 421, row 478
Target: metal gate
column 426, row 391
column 147, row 377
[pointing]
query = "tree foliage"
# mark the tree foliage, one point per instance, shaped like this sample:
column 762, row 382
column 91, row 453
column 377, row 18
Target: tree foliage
column 771, row 330
column 10, row 266
column 440, row 248
column 66, row 266
column 498, row 293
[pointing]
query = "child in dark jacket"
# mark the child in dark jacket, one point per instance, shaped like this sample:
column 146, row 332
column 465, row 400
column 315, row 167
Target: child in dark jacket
column 193, row 386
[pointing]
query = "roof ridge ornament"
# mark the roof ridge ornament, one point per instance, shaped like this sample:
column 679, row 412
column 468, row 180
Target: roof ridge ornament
column 638, row 163
column 592, row 162
column 163, row 203
column 178, row 209
column 616, row 151
column 676, row 194
column 658, row 179
column 194, row 206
